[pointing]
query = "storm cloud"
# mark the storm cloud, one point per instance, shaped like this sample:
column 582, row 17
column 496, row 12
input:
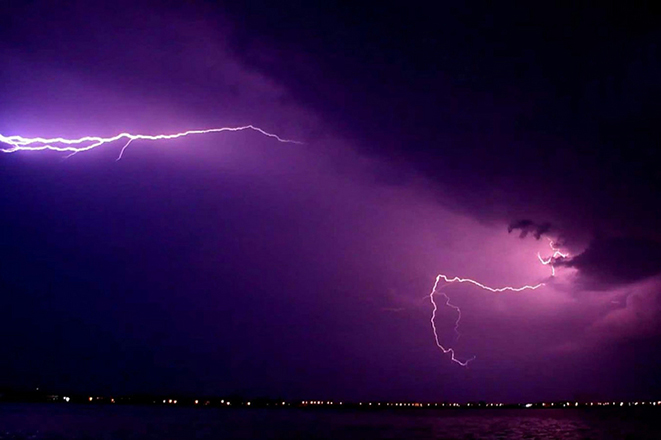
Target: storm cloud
column 615, row 261
column 233, row 264
column 529, row 227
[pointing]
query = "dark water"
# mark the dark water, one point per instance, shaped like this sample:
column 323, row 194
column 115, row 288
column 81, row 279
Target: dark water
column 63, row 421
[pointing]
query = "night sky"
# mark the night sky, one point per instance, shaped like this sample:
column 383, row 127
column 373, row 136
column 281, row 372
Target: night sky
column 232, row 263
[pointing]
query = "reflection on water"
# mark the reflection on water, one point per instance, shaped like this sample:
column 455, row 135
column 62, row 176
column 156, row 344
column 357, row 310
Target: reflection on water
column 62, row 421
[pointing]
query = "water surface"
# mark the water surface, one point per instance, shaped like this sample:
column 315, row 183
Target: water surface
column 109, row 422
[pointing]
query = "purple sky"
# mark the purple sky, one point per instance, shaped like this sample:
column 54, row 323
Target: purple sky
column 231, row 263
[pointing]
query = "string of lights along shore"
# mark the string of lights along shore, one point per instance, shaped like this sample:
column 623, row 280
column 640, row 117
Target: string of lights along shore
column 72, row 146
column 237, row 402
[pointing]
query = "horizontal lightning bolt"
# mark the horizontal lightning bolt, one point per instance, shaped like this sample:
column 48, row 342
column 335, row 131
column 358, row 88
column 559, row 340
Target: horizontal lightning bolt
column 86, row 143
column 490, row 289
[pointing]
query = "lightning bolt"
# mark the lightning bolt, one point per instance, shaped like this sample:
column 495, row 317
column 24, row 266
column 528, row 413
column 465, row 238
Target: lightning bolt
column 550, row 260
column 436, row 290
column 86, row 143
column 450, row 351
column 19, row 143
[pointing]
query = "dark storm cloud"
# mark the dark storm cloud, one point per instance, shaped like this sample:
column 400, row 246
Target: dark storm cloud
column 513, row 113
column 231, row 263
column 614, row 261
column 529, row 227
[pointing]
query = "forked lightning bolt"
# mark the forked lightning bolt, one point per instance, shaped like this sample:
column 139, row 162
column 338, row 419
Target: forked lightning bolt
column 449, row 280
column 550, row 260
column 435, row 290
column 77, row 145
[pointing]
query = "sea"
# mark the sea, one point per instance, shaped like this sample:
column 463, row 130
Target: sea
column 109, row 422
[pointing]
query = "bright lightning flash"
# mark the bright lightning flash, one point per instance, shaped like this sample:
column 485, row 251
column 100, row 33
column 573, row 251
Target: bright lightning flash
column 553, row 258
column 436, row 290
column 19, row 143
